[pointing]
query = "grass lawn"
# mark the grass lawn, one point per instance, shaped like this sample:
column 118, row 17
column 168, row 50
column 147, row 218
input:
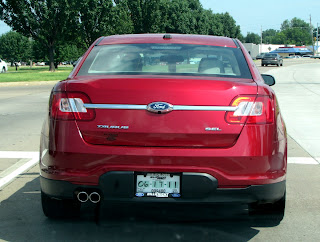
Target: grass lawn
column 36, row 73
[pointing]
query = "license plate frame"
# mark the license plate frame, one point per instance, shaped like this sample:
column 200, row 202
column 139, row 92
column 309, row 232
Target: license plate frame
column 158, row 184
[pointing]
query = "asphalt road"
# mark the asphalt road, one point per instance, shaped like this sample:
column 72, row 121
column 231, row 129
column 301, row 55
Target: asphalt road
column 22, row 111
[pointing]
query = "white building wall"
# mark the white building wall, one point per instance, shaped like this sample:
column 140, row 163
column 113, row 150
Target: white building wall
column 268, row 47
column 253, row 49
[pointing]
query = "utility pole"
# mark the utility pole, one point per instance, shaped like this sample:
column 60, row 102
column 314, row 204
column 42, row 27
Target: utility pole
column 317, row 38
column 311, row 32
column 261, row 41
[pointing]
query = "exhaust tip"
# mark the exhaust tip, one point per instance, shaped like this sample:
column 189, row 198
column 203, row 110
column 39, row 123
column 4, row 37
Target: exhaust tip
column 95, row 197
column 82, row 197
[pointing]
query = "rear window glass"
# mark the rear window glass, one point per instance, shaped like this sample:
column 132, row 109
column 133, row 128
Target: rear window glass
column 270, row 55
column 165, row 59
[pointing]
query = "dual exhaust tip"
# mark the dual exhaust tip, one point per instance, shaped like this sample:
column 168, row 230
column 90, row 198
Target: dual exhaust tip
column 93, row 197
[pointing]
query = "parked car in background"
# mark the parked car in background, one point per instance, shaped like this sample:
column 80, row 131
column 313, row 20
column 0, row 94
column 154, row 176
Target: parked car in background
column 292, row 57
column 3, row 66
column 76, row 62
column 272, row 59
column 137, row 122
column 316, row 56
column 260, row 56
column 40, row 64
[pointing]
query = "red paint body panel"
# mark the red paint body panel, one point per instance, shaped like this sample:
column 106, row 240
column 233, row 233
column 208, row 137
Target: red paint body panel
column 176, row 39
column 175, row 129
column 260, row 161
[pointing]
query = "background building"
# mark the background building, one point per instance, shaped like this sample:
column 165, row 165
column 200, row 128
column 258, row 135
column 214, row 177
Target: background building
column 296, row 50
column 253, row 49
column 283, row 50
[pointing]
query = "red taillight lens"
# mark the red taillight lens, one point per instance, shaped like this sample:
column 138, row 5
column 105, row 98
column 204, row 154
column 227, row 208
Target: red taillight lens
column 70, row 106
column 252, row 110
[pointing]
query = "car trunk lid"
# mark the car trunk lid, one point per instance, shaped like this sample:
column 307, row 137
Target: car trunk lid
column 195, row 119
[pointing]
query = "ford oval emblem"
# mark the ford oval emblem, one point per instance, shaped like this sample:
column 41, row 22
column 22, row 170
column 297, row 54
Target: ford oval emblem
column 160, row 107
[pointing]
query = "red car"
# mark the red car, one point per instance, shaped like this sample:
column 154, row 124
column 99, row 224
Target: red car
column 163, row 118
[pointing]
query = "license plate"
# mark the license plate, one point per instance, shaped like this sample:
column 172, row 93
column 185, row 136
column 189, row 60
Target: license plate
column 158, row 185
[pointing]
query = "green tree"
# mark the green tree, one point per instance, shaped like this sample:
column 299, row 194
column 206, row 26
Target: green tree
column 213, row 23
column 147, row 16
column 170, row 16
column 297, row 36
column 177, row 16
column 285, row 25
column 15, row 47
column 46, row 21
column 280, row 39
column 294, row 23
column 122, row 18
column 230, row 29
column 297, row 32
column 199, row 18
column 180, row 18
column 189, row 17
column 69, row 52
column 252, row 38
column 95, row 19
column 268, row 35
column 39, row 53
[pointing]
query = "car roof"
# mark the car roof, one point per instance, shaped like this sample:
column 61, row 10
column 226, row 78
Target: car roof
column 171, row 38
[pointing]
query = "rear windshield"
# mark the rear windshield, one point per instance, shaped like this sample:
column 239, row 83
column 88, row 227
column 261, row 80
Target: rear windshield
column 270, row 55
column 165, row 59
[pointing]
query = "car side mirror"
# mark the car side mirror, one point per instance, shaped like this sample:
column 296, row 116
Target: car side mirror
column 268, row 79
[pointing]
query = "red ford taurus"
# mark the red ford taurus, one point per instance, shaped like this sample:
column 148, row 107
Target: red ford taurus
column 163, row 118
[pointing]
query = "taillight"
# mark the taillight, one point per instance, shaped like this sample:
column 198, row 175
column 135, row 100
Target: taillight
column 69, row 106
column 251, row 110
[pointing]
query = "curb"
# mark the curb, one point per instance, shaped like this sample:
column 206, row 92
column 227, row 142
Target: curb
column 36, row 83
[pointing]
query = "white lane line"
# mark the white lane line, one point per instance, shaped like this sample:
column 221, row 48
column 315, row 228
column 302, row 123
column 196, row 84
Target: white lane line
column 303, row 160
column 18, row 154
column 32, row 159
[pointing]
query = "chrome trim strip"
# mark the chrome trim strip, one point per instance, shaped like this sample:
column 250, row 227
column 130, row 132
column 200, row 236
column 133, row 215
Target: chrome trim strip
column 115, row 106
column 175, row 107
column 205, row 108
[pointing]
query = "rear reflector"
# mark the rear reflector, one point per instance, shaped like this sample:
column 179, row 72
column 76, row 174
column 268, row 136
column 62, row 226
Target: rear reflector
column 69, row 106
column 252, row 110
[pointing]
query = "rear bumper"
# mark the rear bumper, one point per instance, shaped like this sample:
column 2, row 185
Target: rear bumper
column 195, row 188
column 270, row 62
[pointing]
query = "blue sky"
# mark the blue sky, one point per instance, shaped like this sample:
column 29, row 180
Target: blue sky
column 251, row 15
column 270, row 14
column 3, row 28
